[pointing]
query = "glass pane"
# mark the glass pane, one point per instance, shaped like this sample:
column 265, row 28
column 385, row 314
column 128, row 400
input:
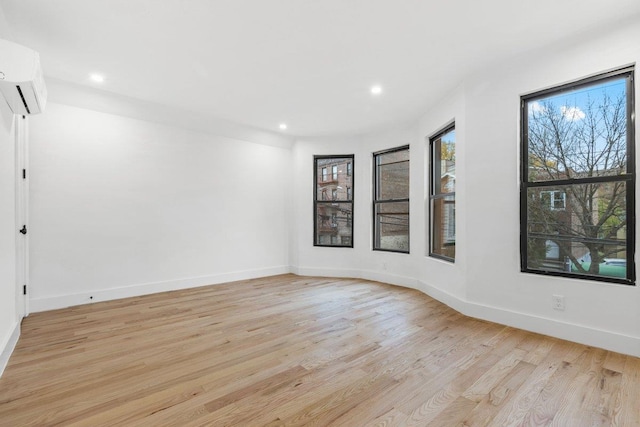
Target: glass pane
column 334, row 224
column 443, row 233
column 335, row 182
column 444, row 163
column 393, row 175
column 392, row 226
column 579, row 133
column 580, row 228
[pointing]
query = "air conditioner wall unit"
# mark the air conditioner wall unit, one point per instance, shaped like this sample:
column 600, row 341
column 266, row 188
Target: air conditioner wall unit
column 21, row 79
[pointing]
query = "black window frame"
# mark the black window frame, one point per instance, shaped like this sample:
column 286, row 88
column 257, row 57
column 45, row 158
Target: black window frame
column 328, row 201
column 433, row 192
column 377, row 201
column 629, row 177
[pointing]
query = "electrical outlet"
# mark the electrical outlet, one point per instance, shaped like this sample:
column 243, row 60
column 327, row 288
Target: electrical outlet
column 558, row 302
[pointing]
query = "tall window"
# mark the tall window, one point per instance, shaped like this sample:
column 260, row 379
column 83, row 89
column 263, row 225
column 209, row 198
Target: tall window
column 333, row 225
column 442, row 196
column 391, row 200
column 578, row 180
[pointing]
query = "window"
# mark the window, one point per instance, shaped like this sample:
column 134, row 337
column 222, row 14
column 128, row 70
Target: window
column 349, row 169
column 578, row 180
column 557, row 200
column 442, row 196
column 391, row 200
column 333, row 225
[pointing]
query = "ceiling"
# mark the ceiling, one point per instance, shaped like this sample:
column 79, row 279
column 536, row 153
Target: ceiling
column 309, row 63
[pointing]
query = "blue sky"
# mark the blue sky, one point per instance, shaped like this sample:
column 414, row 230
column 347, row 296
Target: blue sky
column 573, row 103
column 449, row 137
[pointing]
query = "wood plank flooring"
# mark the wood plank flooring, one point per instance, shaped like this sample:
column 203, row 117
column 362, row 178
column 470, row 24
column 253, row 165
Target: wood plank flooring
column 298, row 351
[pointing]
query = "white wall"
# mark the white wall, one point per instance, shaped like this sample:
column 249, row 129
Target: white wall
column 306, row 258
column 9, row 324
column 359, row 261
column 121, row 207
column 8, row 314
column 603, row 314
column 435, row 274
column 97, row 100
column 485, row 280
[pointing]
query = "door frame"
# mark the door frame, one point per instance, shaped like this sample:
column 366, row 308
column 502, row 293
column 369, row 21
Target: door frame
column 22, row 214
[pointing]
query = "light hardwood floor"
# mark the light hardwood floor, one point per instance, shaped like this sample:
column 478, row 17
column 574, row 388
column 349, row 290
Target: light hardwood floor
column 289, row 350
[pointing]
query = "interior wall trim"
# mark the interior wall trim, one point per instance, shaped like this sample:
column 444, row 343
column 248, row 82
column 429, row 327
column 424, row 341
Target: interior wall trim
column 9, row 346
column 69, row 300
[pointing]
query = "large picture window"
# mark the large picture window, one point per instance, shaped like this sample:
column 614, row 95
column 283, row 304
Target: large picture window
column 333, row 201
column 391, row 200
column 442, row 196
column 578, row 179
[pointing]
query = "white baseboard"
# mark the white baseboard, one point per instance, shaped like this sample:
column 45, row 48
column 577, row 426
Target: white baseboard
column 392, row 279
column 568, row 331
column 8, row 347
column 325, row 272
column 63, row 301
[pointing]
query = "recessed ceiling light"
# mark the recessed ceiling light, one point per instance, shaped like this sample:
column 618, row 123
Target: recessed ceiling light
column 283, row 126
column 98, row 78
column 376, row 90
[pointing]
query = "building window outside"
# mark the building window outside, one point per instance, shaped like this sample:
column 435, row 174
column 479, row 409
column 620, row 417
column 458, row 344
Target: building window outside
column 442, row 196
column 333, row 226
column 578, row 179
column 557, row 200
column 349, row 169
column 450, row 231
column 391, row 200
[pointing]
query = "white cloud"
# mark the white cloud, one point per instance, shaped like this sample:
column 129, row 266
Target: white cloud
column 572, row 114
column 536, row 107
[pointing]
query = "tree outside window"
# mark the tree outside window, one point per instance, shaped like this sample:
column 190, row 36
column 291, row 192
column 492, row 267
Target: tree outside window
column 442, row 195
column 578, row 179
